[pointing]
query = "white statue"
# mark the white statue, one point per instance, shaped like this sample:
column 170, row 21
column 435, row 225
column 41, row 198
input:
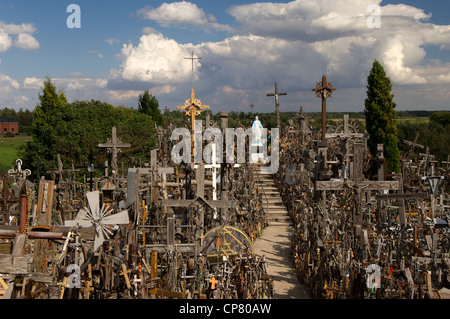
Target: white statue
column 257, row 127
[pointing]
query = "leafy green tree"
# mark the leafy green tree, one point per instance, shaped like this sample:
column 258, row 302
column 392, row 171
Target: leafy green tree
column 148, row 104
column 74, row 130
column 380, row 117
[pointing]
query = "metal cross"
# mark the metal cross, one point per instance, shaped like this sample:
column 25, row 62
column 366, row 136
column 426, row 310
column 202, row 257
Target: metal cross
column 324, row 90
column 277, row 103
column 192, row 60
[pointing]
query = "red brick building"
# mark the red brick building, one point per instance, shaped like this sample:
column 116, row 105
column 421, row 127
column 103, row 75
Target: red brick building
column 8, row 125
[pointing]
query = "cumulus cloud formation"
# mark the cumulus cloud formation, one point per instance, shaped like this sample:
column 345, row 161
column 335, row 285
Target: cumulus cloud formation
column 9, row 91
column 20, row 36
column 181, row 13
column 156, row 59
column 300, row 36
column 292, row 43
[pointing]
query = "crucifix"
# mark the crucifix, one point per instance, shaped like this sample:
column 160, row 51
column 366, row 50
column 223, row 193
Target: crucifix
column 324, row 90
column 192, row 108
column 114, row 146
column 277, row 103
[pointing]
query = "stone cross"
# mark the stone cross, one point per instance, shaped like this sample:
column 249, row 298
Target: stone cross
column 277, row 103
column 324, row 90
column 114, row 146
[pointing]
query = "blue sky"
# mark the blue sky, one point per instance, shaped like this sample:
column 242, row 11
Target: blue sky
column 126, row 47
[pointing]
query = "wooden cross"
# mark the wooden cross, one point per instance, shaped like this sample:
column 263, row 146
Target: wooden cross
column 324, row 90
column 125, row 274
column 412, row 144
column 192, row 108
column 213, row 282
column 346, row 135
column 4, row 287
column 114, row 146
column 277, row 103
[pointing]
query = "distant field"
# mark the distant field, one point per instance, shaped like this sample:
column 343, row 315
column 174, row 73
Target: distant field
column 8, row 150
column 414, row 119
column 400, row 119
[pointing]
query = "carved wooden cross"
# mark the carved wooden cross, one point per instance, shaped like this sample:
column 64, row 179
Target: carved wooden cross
column 277, row 103
column 192, row 108
column 114, row 146
column 324, row 90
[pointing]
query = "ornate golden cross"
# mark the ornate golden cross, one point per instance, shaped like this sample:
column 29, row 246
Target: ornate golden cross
column 192, row 108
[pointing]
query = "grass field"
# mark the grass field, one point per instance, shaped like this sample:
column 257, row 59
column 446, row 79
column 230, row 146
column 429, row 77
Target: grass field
column 8, row 150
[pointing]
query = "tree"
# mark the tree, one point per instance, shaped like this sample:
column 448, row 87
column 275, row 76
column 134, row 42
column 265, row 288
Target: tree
column 74, row 130
column 380, row 117
column 148, row 104
column 48, row 129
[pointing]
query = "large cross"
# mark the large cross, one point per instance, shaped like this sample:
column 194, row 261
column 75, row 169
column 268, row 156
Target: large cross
column 192, row 60
column 277, row 103
column 192, row 108
column 114, row 146
column 324, row 90
column 412, row 145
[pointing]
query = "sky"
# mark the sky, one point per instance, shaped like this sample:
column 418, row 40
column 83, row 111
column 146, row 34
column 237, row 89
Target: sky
column 119, row 49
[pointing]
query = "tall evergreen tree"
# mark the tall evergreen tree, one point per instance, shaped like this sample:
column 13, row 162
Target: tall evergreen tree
column 380, row 117
column 148, row 104
column 48, row 129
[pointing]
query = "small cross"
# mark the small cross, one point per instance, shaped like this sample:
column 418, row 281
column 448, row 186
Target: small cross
column 213, row 281
column 135, row 283
column 125, row 274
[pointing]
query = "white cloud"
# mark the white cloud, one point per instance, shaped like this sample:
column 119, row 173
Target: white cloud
column 26, row 42
column 33, row 83
column 9, row 92
column 292, row 43
column 6, row 81
column 112, row 41
column 17, row 35
column 181, row 13
column 155, row 59
column 18, row 29
column 99, row 55
column 5, row 41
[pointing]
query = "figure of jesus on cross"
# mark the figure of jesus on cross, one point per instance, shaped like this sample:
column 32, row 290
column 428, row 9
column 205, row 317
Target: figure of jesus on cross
column 324, row 90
